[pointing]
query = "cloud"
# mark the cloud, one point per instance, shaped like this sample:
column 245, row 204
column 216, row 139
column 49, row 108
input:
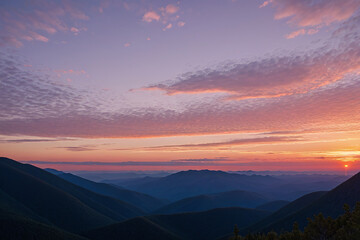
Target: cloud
column 271, row 77
column 181, row 24
column 26, row 93
column 78, row 149
column 296, row 33
column 167, row 27
column 302, row 163
column 165, row 15
column 151, row 16
column 319, row 88
column 33, row 140
column 171, row 9
column 31, row 22
column 223, row 145
column 313, row 13
column 318, row 13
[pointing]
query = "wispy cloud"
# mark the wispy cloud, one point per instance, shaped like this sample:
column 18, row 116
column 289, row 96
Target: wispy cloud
column 39, row 20
column 34, row 140
column 312, row 15
column 222, row 145
column 330, row 162
column 78, row 149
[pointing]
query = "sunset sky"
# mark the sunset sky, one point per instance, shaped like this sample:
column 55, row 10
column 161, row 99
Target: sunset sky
column 175, row 85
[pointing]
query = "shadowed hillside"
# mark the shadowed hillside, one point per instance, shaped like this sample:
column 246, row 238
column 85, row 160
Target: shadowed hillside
column 285, row 211
column 330, row 204
column 201, row 225
column 140, row 200
column 273, row 205
column 45, row 197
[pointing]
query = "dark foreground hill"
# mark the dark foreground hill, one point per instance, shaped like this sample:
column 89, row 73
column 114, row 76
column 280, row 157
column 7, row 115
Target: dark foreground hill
column 140, row 200
column 330, row 204
column 208, row 225
column 42, row 196
column 218, row 200
column 14, row 227
column 285, row 211
column 136, row 228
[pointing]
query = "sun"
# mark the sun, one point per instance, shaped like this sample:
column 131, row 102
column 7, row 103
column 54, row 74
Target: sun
column 346, row 165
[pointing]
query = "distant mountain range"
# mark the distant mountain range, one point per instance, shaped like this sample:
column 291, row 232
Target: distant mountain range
column 217, row 200
column 192, row 183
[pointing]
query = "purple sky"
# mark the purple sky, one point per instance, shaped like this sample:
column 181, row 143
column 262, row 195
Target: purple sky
column 252, row 82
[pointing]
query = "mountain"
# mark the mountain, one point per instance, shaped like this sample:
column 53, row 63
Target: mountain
column 207, row 225
column 140, row 200
column 136, row 228
column 13, row 227
column 273, row 205
column 192, row 183
column 285, row 211
column 218, row 200
column 42, row 196
column 330, row 204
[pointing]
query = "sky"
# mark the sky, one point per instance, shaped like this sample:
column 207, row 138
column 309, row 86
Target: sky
column 174, row 85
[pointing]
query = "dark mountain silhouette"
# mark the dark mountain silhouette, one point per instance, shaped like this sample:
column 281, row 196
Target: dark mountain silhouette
column 13, row 227
column 218, row 200
column 285, row 211
column 200, row 225
column 140, row 200
column 273, row 205
column 192, row 183
column 330, row 204
column 45, row 197
column 136, row 228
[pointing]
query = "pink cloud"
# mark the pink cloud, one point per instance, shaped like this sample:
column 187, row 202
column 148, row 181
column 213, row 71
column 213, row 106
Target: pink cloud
column 271, row 77
column 38, row 37
column 167, row 27
column 296, row 34
column 171, row 9
column 313, row 13
column 151, row 16
column 29, row 22
column 318, row 14
column 181, row 24
column 265, row 3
